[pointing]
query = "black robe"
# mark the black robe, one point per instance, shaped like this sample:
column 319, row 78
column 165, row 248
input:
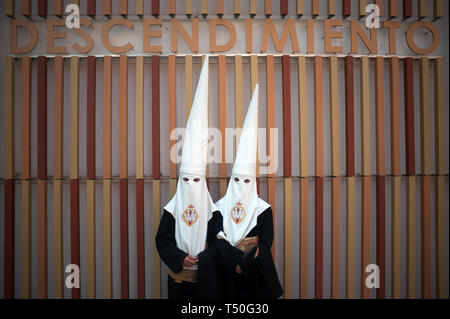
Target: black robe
column 259, row 278
column 206, row 285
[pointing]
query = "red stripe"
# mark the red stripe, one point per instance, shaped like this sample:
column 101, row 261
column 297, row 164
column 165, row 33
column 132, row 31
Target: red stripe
column 42, row 116
column 407, row 9
column 42, row 8
column 75, row 228
column 155, row 117
column 284, row 7
column 140, row 240
column 90, row 127
column 124, row 271
column 9, row 239
column 346, row 8
column 286, row 68
column 318, row 277
column 381, row 234
column 349, row 117
column 91, row 8
column 409, row 115
column 155, row 7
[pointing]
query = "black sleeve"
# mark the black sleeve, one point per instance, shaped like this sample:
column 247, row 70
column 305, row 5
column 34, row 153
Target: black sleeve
column 214, row 226
column 166, row 244
column 230, row 255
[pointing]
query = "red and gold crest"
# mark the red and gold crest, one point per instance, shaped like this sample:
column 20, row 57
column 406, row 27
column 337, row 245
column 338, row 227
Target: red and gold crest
column 190, row 215
column 238, row 213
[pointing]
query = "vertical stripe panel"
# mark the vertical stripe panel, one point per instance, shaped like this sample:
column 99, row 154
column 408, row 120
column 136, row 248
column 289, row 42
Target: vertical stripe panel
column 107, row 240
column 42, row 8
column 424, row 116
column 253, row 7
column 331, row 8
column 140, row 117
column 188, row 84
column 288, row 238
column 303, row 238
column 407, row 9
column 222, row 115
column 107, row 7
column 155, row 118
column 236, row 7
column 9, row 239
column 379, row 116
column 362, row 4
column 365, row 233
column 123, row 7
column 26, row 239
column 440, row 238
column 393, row 9
column 411, row 237
column 439, row 115
column 9, row 8
column 351, row 223
column 123, row 117
column 42, row 117
column 238, row 94
column 91, row 8
column 334, row 112
column 124, row 266
column 365, row 116
column 318, row 236
column 349, row 117
column 422, row 8
column 107, row 102
column 220, row 7
column 303, row 114
column 188, row 7
column 286, row 69
column 394, row 115
column 381, row 233
column 315, row 8
column 204, row 7
column 156, row 260
column 25, row 156
column 75, row 229
column 318, row 116
column 268, row 7
column 379, row 3
column 425, row 190
column 90, row 238
column 254, row 81
column 396, row 257
column 438, row 9
column 140, row 7
column 172, row 110
column 9, row 117
column 409, row 115
column 300, row 7
column 335, row 236
column 59, row 273
column 155, row 8
column 140, row 238
column 42, row 288
column 58, row 148
column 172, row 7
column 90, row 120
column 346, row 8
column 25, row 7
column 74, row 113
column 284, row 7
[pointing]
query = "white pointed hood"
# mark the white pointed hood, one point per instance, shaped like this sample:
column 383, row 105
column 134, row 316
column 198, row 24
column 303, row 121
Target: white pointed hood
column 241, row 205
column 192, row 206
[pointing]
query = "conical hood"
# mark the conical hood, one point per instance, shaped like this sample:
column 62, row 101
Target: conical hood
column 195, row 146
column 245, row 162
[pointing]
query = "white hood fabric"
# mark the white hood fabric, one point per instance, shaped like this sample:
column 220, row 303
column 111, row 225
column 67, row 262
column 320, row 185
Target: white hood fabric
column 241, row 205
column 192, row 206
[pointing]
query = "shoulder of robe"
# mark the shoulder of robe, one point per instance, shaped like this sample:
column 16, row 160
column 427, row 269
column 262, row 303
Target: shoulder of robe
column 220, row 204
column 262, row 206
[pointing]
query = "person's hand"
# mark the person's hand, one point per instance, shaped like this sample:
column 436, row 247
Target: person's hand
column 190, row 261
column 238, row 270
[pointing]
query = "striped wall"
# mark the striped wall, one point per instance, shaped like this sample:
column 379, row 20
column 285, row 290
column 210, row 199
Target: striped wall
column 362, row 161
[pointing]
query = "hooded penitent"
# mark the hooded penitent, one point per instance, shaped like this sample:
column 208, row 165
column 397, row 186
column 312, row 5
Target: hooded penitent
column 241, row 205
column 191, row 206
